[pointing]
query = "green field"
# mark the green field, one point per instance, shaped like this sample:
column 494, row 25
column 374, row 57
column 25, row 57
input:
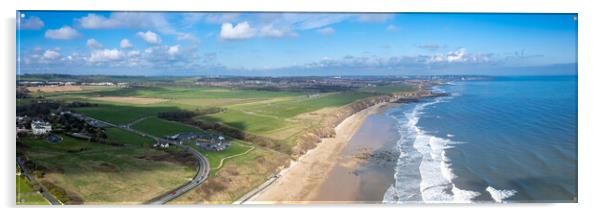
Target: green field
column 247, row 121
column 122, row 136
column 160, row 127
column 237, row 147
column 121, row 114
column 99, row 173
column 26, row 194
column 389, row 89
column 304, row 104
column 193, row 92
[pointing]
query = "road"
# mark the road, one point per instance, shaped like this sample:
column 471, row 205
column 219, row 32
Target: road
column 43, row 191
column 201, row 176
column 202, row 170
column 248, row 196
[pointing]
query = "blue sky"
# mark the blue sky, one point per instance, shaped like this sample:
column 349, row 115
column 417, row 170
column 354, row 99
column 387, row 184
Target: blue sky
column 284, row 44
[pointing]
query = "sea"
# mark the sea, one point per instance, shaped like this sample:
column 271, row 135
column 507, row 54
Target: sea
column 504, row 139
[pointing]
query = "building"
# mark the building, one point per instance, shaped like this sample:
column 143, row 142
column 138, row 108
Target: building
column 40, row 127
column 218, row 143
column 207, row 141
column 161, row 145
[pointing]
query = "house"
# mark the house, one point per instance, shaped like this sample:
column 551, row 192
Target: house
column 161, row 145
column 40, row 127
column 218, row 143
column 207, row 141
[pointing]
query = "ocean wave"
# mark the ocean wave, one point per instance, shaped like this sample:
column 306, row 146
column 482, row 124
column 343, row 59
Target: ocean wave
column 500, row 195
column 434, row 168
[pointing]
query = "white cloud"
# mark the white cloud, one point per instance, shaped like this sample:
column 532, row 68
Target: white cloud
column 392, row 28
column 155, row 21
column 125, row 44
column 326, row 31
column 241, row 31
column 93, row 44
column 133, row 20
column 93, row 21
column 457, row 56
column 105, row 55
column 287, row 24
column 31, row 23
column 173, row 50
column 133, row 53
column 150, row 37
column 270, row 31
column 51, row 55
column 64, row 33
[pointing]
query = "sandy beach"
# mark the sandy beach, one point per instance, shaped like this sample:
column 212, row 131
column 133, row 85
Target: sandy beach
column 365, row 167
column 302, row 180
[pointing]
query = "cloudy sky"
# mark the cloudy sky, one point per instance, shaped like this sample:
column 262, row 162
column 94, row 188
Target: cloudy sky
column 284, row 44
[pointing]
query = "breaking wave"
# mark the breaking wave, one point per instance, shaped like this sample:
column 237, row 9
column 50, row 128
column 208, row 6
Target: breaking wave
column 500, row 195
column 423, row 172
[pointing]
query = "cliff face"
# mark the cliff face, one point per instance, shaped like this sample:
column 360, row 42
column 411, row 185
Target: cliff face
column 311, row 137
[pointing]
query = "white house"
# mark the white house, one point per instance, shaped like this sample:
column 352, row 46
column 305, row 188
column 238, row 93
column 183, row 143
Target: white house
column 40, row 127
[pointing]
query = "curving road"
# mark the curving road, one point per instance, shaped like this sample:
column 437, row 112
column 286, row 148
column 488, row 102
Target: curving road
column 202, row 170
column 201, row 176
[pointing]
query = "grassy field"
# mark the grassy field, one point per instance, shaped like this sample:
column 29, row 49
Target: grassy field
column 98, row 173
column 303, row 104
column 389, row 89
column 247, row 121
column 238, row 176
column 160, row 127
column 121, row 114
column 122, row 136
column 194, row 92
column 237, row 147
column 101, row 173
column 26, row 195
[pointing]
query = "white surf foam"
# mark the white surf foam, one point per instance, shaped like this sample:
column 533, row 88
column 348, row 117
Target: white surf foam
column 500, row 195
column 435, row 170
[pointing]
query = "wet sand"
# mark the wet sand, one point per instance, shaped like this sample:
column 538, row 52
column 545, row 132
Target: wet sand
column 339, row 169
column 365, row 168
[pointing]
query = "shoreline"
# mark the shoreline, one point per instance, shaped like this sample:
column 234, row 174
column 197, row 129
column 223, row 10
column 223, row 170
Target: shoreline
column 302, row 180
column 365, row 168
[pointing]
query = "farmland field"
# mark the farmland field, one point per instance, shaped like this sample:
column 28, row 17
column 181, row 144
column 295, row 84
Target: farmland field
column 122, row 136
column 120, row 114
column 193, row 92
column 160, row 128
column 298, row 105
column 98, row 173
column 389, row 89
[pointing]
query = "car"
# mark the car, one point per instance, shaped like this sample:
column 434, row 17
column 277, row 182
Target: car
column 173, row 193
